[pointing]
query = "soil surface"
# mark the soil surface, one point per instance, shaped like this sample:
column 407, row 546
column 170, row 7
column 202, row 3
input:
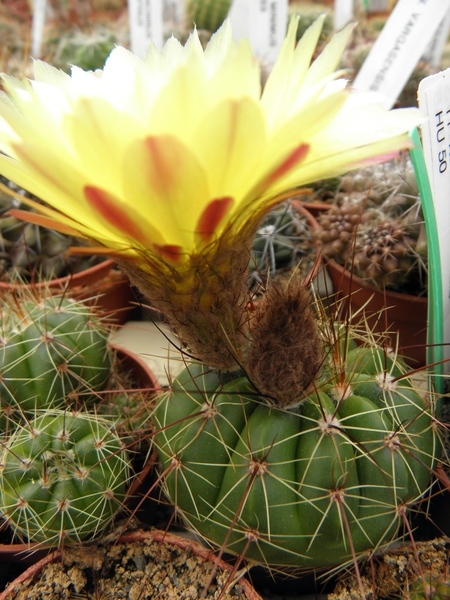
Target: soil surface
column 132, row 571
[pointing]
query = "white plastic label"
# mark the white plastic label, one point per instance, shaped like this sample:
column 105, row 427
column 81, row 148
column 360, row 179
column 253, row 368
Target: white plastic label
column 146, row 25
column 343, row 13
column 434, row 50
column 434, row 101
column 263, row 22
column 37, row 27
column 399, row 47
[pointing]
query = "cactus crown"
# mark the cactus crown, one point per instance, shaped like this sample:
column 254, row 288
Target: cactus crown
column 63, row 477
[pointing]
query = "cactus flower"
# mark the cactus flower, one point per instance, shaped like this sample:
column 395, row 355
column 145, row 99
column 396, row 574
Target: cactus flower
column 170, row 163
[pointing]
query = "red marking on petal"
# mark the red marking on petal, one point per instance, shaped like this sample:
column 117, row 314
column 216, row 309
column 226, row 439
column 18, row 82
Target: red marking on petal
column 162, row 166
column 109, row 208
column 296, row 156
column 169, row 252
column 381, row 158
column 212, row 216
column 43, row 221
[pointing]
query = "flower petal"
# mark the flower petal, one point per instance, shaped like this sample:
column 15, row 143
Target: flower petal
column 110, row 209
column 230, row 142
column 212, row 216
column 167, row 185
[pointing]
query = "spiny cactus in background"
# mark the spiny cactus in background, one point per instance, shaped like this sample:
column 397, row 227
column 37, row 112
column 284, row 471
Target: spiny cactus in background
column 283, row 241
column 63, row 477
column 376, row 227
column 53, row 353
column 85, row 49
column 30, row 252
column 207, row 14
column 129, row 407
column 309, row 481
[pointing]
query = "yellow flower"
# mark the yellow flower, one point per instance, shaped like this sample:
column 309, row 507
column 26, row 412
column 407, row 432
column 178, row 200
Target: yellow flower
column 170, row 163
column 162, row 155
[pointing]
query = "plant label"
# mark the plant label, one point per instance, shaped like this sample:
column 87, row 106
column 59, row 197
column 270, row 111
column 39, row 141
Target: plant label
column 146, row 25
column 434, row 50
column 399, row 47
column 263, row 22
column 434, row 101
column 37, row 27
column 343, row 13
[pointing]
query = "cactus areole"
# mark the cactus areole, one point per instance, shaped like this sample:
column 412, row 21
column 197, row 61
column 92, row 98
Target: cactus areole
column 63, row 477
column 53, row 352
column 311, row 486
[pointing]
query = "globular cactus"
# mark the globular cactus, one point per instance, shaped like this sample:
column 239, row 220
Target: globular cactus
column 283, row 241
column 312, row 483
column 53, row 353
column 385, row 254
column 207, row 14
column 375, row 227
column 63, row 477
column 87, row 50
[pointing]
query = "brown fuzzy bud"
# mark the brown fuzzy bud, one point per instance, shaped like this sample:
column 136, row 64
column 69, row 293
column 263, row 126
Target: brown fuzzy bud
column 286, row 350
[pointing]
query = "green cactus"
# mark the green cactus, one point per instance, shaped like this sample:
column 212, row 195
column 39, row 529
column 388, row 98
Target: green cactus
column 53, row 352
column 310, row 485
column 281, row 243
column 63, row 477
column 85, row 49
column 207, row 14
column 430, row 587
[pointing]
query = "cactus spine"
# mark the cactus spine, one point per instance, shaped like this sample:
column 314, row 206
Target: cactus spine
column 53, row 353
column 63, row 477
column 312, row 481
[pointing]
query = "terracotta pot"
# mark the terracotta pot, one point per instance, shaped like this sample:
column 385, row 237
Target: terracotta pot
column 313, row 224
column 401, row 313
column 176, row 547
column 101, row 285
column 28, row 553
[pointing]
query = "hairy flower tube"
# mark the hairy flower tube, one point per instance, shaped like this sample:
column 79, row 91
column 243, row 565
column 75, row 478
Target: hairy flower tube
column 169, row 163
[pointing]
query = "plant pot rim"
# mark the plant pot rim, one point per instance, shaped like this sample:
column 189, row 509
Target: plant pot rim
column 85, row 277
column 360, row 283
column 140, row 536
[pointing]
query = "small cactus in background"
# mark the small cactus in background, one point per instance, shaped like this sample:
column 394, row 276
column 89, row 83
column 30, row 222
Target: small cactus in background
column 312, row 480
column 283, row 241
column 30, row 252
column 85, row 49
column 63, row 477
column 207, row 14
column 128, row 407
column 53, row 353
column 375, row 227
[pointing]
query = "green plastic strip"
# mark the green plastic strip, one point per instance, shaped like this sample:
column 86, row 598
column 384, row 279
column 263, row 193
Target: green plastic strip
column 435, row 350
